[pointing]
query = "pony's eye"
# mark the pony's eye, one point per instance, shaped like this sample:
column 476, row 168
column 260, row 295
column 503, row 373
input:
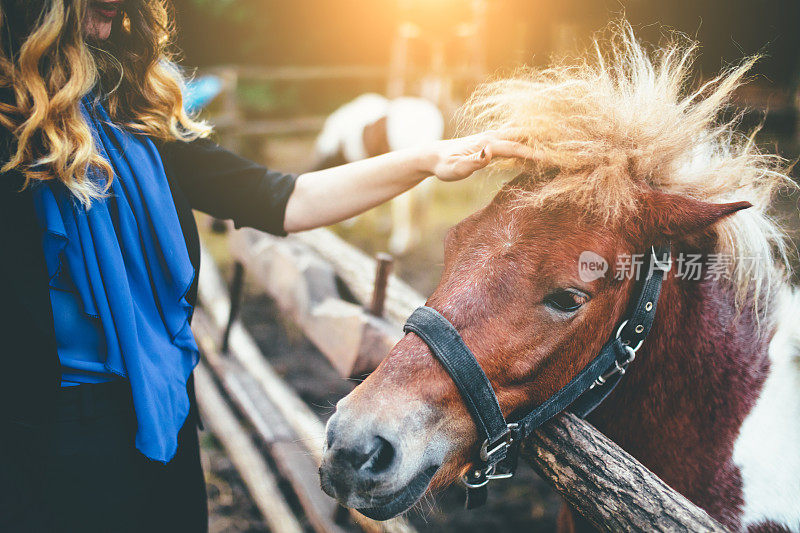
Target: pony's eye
column 566, row 300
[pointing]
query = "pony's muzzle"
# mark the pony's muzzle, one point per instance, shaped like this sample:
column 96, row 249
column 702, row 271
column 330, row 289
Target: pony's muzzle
column 356, row 459
column 380, row 456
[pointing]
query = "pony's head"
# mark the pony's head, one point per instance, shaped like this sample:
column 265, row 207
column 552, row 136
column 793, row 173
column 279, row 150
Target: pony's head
column 532, row 281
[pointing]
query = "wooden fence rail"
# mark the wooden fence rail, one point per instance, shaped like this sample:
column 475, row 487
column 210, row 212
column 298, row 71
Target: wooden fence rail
column 244, row 455
column 287, row 451
column 599, row 479
column 305, row 285
column 291, row 432
column 605, row 484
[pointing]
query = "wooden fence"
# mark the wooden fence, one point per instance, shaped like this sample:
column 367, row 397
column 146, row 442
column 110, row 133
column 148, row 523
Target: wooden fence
column 282, row 423
column 233, row 125
column 328, row 289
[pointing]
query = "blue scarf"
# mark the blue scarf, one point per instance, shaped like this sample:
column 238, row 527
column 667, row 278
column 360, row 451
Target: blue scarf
column 125, row 258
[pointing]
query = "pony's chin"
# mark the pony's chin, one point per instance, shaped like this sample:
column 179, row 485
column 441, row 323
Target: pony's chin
column 404, row 499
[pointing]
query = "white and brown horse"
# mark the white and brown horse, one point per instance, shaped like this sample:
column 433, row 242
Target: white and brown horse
column 628, row 158
column 372, row 125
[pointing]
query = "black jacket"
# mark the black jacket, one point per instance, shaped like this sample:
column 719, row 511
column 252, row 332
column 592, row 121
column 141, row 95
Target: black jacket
column 202, row 176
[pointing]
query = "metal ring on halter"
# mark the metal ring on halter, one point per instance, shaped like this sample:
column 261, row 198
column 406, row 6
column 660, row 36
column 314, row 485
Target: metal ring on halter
column 484, row 479
column 631, row 354
column 624, row 343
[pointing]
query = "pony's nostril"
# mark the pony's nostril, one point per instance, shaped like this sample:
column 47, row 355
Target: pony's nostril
column 381, row 456
column 372, row 458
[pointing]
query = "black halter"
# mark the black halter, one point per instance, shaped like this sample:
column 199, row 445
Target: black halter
column 500, row 449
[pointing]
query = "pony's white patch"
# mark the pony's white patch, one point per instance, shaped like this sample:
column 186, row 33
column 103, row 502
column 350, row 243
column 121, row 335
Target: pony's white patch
column 344, row 128
column 413, row 121
column 409, row 122
column 767, row 450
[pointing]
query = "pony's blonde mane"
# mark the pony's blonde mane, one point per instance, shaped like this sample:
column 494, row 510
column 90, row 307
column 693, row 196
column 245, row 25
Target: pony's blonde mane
column 625, row 122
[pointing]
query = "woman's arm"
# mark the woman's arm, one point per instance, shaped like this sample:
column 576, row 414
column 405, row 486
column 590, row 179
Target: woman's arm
column 328, row 196
column 224, row 185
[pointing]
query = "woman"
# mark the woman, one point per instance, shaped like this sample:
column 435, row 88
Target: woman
column 101, row 168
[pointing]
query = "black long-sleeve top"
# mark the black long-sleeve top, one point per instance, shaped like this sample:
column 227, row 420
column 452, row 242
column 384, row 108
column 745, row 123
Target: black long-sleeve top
column 202, row 176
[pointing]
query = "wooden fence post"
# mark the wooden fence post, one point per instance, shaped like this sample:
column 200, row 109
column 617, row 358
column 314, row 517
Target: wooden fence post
column 382, row 272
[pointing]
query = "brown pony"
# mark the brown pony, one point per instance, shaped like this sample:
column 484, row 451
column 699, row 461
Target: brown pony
column 626, row 159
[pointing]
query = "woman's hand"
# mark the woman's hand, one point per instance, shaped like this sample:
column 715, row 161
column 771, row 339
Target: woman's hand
column 334, row 194
column 456, row 159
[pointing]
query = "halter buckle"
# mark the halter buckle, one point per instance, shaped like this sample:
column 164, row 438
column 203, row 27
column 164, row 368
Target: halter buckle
column 479, row 476
column 502, row 445
column 618, row 368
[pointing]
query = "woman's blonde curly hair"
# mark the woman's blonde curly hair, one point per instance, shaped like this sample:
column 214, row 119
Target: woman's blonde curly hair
column 47, row 67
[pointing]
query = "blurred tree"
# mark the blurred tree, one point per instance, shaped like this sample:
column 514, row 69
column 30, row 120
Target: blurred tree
column 235, row 10
column 271, row 32
column 279, row 32
column 360, row 32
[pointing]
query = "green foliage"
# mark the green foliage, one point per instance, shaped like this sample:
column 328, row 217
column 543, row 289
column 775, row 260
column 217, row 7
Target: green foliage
column 233, row 10
column 267, row 97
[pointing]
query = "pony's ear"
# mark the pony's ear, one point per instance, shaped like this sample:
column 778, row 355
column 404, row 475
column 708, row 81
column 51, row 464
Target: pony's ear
column 673, row 215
